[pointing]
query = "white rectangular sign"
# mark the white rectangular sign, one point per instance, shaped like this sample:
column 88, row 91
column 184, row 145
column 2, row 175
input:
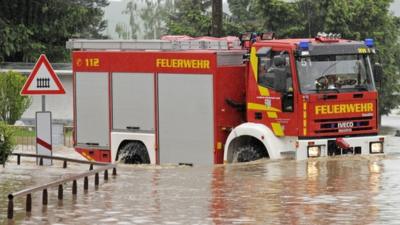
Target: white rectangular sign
column 43, row 136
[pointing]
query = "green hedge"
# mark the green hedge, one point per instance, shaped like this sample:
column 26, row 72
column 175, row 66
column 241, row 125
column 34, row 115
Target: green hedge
column 7, row 141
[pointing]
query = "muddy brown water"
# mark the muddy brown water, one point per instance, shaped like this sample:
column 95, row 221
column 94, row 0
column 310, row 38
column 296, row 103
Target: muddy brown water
column 341, row 190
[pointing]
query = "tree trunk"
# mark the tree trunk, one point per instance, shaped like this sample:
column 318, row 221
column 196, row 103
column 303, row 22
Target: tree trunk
column 216, row 18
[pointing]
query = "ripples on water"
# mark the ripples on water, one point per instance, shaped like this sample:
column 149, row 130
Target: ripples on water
column 351, row 190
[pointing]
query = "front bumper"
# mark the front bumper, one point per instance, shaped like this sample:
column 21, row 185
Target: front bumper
column 328, row 146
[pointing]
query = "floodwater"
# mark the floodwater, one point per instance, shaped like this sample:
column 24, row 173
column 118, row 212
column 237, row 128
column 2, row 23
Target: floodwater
column 340, row 190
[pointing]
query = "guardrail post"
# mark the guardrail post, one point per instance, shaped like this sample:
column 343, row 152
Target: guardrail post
column 65, row 164
column 91, row 167
column 86, row 184
column 105, row 174
column 74, row 187
column 96, row 179
column 114, row 173
column 60, row 192
column 29, row 202
column 41, row 161
column 18, row 159
column 10, row 212
column 44, row 197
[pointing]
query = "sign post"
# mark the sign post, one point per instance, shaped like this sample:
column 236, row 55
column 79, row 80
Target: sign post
column 43, row 136
column 43, row 81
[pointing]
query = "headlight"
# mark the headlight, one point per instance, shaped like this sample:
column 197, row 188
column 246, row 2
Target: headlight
column 376, row 147
column 314, row 151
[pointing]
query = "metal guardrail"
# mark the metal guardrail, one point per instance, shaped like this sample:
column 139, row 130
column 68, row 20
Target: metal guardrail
column 28, row 192
column 65, row 160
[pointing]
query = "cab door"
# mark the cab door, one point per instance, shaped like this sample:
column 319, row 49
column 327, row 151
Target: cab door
column 276, row 91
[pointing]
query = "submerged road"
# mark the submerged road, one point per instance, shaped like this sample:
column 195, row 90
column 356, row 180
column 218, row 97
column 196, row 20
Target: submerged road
column 340, row 190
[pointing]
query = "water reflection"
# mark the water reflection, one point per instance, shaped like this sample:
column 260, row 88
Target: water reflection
column 336, row 191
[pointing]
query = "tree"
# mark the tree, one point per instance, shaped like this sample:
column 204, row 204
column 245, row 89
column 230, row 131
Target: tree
column 217, row 18
column 7, row 141
column 132, row 11
column 12, row 104
column 152, row 17
column 190, row 17
column 194, row 18
column 29, row 28
column 122, row 31
column 244, row 15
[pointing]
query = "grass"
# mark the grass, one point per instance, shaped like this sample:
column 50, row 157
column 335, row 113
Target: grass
column 24, row 132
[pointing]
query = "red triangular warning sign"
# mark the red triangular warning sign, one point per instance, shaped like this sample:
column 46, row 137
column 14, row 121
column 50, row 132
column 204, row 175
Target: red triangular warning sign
column 42, row 80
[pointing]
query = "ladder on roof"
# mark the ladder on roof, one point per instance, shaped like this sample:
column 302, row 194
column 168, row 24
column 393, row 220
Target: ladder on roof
column 84, row 44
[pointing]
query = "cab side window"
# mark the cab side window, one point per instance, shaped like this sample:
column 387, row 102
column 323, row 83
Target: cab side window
column 274, row 71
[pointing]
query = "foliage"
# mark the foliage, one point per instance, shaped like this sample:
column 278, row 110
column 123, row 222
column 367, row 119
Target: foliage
column 7, row 141
column 29, row 28
column 244, row 15
column 193, row 18
column 132, row 11
column 123, row 31
column 152, row 17
column 12, row 104
column 190, row 18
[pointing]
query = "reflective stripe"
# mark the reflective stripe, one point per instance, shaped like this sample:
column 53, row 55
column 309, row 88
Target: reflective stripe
column 277, row 128
column 87, row 156
column 272, row 115
column 254, row 62
column 262, row 107
column 263, row 90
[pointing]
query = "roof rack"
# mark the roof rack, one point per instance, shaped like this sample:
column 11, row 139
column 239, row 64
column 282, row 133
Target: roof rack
column 85, row 44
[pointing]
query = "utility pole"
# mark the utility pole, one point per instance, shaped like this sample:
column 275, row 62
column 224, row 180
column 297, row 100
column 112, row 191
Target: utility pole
column 216, row 18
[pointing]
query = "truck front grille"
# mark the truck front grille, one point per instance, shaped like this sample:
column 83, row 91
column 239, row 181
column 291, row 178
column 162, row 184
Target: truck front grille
column 341, row 125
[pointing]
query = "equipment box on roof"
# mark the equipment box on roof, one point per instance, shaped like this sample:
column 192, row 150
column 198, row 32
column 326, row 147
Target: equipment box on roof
column 174, row 104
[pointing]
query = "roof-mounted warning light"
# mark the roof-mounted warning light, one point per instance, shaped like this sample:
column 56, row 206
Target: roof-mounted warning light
column 304, row 45
column 303, row 48
column 369, row 42
column 331, row 37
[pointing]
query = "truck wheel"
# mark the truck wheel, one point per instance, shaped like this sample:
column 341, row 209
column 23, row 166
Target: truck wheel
column 246, row 153
column 134, row 153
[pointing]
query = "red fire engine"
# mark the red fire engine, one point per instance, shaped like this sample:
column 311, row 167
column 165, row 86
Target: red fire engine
column 207, row 100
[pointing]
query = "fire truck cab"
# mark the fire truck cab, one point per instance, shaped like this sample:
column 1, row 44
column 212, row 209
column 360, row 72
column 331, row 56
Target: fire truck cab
column 308, row 98
column 204, row 101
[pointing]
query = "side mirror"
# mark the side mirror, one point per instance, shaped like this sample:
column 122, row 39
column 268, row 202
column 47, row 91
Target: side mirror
column 378, row 72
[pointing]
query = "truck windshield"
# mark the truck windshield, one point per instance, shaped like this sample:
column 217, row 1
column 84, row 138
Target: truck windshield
column 338, row 73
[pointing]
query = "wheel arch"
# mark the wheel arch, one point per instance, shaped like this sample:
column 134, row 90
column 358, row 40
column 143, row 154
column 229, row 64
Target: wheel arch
column 242, row 141
column 125, row 142
column 119, row 139
column 138, row 150
column 255, row 132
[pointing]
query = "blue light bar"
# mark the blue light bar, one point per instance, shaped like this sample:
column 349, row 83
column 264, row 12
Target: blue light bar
column 369, row 42
column 304, row 45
